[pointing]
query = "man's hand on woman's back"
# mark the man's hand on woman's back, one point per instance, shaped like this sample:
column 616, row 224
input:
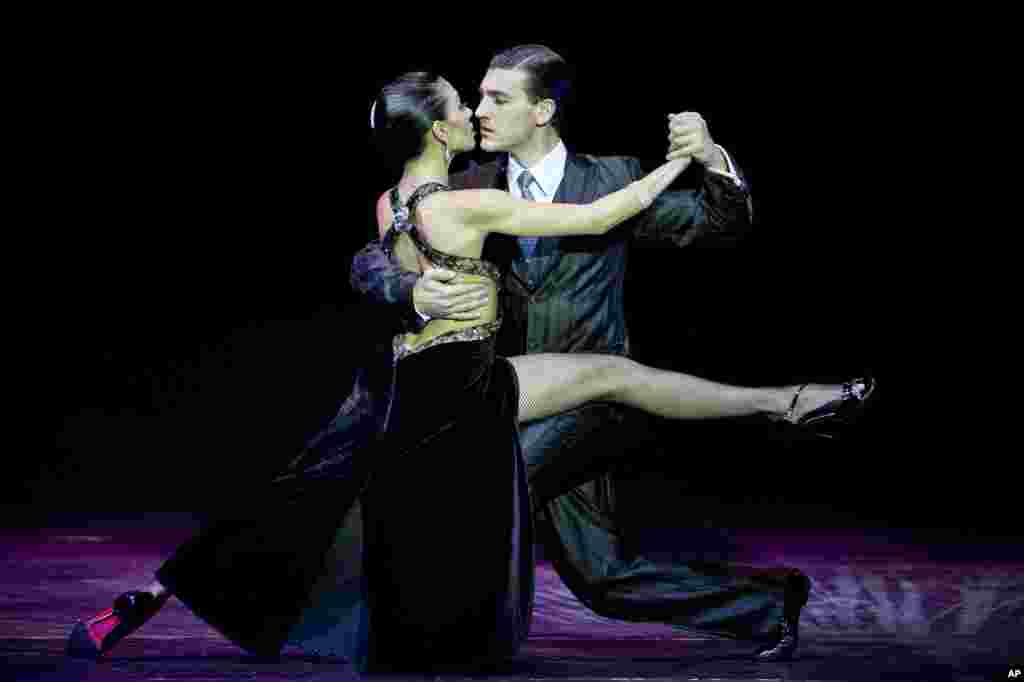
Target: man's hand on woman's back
column 439, row 293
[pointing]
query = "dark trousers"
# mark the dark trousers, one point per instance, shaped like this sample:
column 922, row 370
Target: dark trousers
column 569, row 457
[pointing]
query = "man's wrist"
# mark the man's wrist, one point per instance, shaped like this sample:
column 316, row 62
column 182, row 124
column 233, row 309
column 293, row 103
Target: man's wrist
column 728, row 168
column 716, row 161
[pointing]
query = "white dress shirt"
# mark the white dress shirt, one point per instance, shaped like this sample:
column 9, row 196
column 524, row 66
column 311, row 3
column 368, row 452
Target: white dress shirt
column 547, row 174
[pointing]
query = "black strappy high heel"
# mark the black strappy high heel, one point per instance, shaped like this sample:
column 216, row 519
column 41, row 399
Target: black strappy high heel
column 826, row 421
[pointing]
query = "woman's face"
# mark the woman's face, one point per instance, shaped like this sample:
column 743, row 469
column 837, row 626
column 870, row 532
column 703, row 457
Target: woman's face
column 461, row 135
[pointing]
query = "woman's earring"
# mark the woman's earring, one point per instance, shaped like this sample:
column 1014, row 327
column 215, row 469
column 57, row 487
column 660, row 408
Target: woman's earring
column 447, row 154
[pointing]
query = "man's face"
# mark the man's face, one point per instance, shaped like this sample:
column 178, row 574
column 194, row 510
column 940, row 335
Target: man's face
column 507, row 118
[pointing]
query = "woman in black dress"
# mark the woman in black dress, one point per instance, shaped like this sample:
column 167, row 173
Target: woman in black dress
column 361, row 550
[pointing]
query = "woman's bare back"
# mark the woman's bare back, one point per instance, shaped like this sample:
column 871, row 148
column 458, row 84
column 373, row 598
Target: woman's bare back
column 437, row 224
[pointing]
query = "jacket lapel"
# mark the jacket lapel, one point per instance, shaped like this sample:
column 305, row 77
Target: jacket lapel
column 570, row 190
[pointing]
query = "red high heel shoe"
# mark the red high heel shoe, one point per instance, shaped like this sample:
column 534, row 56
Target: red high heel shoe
column 98, row 635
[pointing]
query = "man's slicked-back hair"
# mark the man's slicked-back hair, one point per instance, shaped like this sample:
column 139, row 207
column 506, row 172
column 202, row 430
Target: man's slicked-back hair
column 548, row 76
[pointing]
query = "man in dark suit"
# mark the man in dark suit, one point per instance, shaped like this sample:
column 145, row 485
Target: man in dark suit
column 566, row 295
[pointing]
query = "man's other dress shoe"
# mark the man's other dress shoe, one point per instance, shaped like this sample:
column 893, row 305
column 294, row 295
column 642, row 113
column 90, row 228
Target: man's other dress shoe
column 797, row 592
column 785, row 647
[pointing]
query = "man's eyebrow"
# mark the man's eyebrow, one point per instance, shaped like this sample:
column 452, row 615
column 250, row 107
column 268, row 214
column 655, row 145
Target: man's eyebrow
column 501, row 93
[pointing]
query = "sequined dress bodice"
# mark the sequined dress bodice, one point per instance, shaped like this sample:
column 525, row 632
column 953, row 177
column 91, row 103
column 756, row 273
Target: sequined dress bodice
column 407, row 344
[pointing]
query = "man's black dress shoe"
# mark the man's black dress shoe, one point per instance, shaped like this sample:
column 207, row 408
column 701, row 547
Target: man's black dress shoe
column 785, row 647
column 797, row 592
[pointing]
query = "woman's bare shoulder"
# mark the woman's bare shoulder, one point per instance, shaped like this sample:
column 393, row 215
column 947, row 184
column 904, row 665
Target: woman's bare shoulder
column 384, row 215
column 462, row 204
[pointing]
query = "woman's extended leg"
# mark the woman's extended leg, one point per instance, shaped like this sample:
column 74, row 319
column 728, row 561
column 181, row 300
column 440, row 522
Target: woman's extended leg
column 550, row 383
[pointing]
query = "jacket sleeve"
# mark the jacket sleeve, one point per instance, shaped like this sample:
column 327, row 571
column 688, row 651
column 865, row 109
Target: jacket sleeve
column 718, row 212
column 376, row 276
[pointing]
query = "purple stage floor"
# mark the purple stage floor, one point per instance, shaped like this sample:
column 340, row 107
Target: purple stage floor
column 876, row 612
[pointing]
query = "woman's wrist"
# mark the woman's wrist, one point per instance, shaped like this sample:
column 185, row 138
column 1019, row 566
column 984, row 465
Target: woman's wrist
column 642, row 194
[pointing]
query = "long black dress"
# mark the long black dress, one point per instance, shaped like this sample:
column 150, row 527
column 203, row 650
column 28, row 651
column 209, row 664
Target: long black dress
column 412, row 549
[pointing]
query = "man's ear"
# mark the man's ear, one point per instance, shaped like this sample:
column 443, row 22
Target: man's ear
column 545, row 110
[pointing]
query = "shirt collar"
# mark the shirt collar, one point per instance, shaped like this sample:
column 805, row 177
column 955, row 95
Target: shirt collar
column 548, row 172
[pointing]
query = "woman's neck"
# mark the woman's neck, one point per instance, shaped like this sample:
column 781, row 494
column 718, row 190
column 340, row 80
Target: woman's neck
column 427, row 167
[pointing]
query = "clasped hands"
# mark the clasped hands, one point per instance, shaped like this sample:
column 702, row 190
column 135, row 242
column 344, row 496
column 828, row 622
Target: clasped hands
column 688, row 135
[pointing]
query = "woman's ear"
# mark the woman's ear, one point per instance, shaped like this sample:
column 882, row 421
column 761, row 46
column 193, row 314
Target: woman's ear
column 440, row 132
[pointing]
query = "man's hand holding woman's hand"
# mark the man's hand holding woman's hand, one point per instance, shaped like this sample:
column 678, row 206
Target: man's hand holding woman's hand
column 688, row 135
column 440, row 293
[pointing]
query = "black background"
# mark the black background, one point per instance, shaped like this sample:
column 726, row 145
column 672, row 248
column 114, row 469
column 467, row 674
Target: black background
column 211, row 186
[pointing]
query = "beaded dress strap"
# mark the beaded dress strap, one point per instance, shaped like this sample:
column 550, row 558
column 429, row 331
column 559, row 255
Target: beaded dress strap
column 403, row 225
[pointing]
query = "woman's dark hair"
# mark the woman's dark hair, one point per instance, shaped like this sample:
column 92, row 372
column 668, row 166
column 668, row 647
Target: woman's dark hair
column 404, row 111
column 548, row 76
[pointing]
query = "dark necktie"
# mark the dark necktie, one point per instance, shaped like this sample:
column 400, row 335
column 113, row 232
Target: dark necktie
column 527, row 244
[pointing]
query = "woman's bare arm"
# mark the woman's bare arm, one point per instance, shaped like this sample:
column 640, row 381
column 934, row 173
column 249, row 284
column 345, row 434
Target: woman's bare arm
column 492, row 210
